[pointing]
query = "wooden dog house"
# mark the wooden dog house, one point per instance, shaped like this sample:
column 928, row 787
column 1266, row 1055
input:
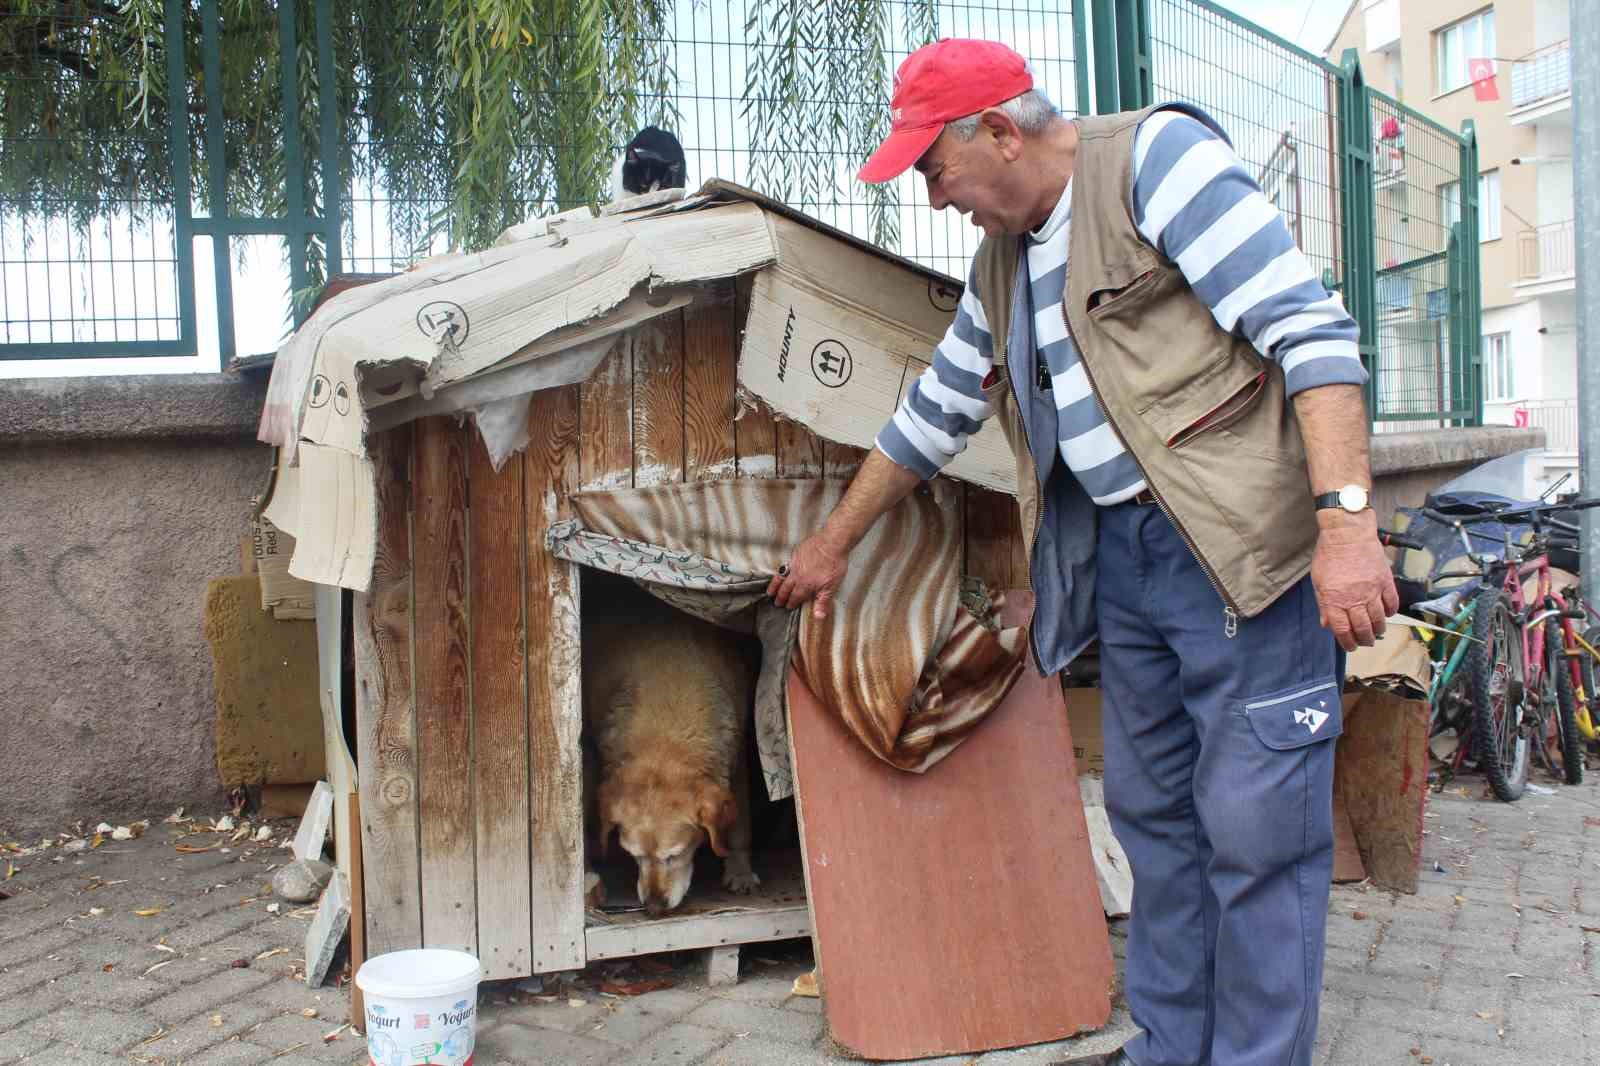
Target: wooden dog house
column 466, row 641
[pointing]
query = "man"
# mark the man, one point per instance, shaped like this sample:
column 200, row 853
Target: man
column 1184, row 401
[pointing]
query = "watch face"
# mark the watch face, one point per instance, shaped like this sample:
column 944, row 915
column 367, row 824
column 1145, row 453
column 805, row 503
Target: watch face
column 1353, row 498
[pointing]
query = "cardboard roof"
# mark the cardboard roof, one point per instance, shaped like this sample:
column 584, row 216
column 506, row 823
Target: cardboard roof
column 836, row 331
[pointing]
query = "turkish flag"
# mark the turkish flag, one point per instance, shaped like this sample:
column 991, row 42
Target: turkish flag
column 1481, row 73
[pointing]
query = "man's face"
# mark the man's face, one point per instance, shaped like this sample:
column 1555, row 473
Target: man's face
column 974, row 177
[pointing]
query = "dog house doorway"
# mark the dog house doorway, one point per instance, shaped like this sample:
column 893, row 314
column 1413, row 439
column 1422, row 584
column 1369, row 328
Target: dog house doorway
column 617, row 922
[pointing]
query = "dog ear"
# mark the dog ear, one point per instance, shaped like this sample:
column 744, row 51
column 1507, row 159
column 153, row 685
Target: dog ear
column 717, row 813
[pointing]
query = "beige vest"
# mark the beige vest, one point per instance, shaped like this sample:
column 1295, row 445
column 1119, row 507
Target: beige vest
column 1201, row 412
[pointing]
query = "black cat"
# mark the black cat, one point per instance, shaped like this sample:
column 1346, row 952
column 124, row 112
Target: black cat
column 653, row 160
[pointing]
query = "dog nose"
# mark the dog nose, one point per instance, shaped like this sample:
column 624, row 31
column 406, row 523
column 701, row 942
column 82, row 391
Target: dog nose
column 655, row 906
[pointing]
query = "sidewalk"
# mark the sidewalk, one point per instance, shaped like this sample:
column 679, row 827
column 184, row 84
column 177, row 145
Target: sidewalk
column 1491, row 962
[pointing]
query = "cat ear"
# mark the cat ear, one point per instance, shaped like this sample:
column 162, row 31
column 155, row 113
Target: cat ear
column 633, row 155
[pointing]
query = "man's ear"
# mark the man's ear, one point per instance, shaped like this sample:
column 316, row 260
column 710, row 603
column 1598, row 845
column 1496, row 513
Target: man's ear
column 716, row 813
column 1004, row 130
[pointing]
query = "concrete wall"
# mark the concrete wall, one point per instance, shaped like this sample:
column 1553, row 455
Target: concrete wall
column 120, row 498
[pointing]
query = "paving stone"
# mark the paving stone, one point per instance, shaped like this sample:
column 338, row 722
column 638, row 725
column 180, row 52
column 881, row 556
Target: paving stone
column 753, row 1018
column 224, row 988
column 183, row 1041
column 677, row 1045
column 99, row 1029
column 22, row 1044
column 518, row 1045
column 30, row 974
column 754, row 1050
column 766, row 987
column 283, row 1031
column 1370, row 1045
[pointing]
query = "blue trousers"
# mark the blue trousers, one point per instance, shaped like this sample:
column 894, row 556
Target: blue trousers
column 1219, row 785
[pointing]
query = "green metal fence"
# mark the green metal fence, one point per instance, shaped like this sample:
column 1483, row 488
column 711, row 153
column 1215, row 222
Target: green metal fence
column 1382, row 199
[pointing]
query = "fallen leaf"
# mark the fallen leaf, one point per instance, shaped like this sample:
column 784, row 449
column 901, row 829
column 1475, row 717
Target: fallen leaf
column 805, row 985
column 264, row 833
column 108, row 967
column 239, row 964
column 216, row 1021
column 1518, row 975
column 190, row 849
column 274, row 908
column 243, row 832
column 223, row 824
column 163, row 947
column 157, row 966
column 575, row 1002
column 1590, row 928
column 1460, row 900
column 103, row 827
column 122, row 832
column 328, row 1038
column 97, row 841
column 1484, row 1014
column 635, row 988
column 148, row 912
column 1425, row 1060
column 1359, row 916
column 284, row 1051
column 174, row 818
column 271, row 952
column 309, row 1012
column 11, row 870
column 95, row 912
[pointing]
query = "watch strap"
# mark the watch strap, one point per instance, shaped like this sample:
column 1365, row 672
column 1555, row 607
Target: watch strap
column 1326, row 500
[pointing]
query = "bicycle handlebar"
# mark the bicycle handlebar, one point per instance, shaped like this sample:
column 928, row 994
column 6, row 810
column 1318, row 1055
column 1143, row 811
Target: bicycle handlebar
column 1390, row 539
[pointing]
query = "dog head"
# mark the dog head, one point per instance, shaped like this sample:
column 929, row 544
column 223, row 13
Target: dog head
column 662, row 823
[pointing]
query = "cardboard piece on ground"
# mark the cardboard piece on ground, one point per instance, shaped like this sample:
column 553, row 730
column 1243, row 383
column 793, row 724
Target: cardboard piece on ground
column 285, row 801
column 1381, row 774
column 952, row 909
column 336, row 752
column 1347, row 864
column 268, row 728
column 313, row 831
column 1088, row 735
column 1397, row 658
column 327, row 929
column 835, row 336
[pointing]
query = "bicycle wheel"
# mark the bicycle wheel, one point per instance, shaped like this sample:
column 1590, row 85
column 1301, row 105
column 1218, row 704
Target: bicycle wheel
column 1588, row 669
column 1558, row 731
column 1495, row 676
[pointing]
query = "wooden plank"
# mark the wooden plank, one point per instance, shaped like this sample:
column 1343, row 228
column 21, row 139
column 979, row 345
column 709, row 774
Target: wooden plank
column 841, row 460
column 709, row 351
column 978, row 963
column 358, row 921
column 994, row 539
column 555, row 710
column 751, row 926
column 800, row 451
column 386, row 736
column 605, row 443
column 658, row 402
column 755, row 438
column 499, row 714
column 444, row 707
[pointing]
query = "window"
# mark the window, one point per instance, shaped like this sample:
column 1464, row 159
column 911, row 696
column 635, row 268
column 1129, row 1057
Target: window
column 1499, row 381
column 1459, row 44
column 1488, row 205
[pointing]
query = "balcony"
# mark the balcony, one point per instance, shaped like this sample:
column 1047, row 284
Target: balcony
column 1541, row 86
column 1383, row 24
column 1545, row 259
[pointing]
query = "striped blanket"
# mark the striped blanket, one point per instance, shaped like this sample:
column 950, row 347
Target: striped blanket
column 902, row 660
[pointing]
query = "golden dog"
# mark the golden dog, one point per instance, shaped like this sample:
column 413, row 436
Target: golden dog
column 665, row 700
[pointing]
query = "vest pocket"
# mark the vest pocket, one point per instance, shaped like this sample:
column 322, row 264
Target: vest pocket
column 1107, row 301
column 1223, row 414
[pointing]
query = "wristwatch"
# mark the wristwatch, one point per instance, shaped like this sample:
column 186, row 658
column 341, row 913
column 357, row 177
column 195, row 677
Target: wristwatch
column 1351, row 498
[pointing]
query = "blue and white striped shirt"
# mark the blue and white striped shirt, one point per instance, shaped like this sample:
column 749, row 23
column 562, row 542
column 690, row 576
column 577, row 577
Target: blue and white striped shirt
column 1196, row 204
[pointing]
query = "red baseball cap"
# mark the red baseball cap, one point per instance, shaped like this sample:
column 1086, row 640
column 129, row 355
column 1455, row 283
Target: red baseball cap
column 938, row 83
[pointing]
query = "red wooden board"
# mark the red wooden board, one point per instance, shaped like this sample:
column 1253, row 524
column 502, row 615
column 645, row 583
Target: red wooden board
column 954, row 911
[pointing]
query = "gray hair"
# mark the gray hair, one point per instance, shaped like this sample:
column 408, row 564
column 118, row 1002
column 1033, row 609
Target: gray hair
column 1032, row 112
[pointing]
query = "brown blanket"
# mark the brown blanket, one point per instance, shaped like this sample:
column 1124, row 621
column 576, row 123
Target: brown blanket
column 900, row 661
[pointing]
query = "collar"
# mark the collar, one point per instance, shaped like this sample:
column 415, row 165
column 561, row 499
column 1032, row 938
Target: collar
column 1058, row 218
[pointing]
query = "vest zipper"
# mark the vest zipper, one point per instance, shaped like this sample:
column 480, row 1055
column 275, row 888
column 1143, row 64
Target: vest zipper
column 1230, row 616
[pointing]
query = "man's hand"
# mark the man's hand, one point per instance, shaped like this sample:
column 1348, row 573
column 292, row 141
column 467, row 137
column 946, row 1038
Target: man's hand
column 1355, row 588
column 813, row 571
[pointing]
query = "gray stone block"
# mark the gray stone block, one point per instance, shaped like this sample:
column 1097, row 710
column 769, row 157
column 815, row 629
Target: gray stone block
column 753, row 1018
column 517, row 1045
column 94, row 1029
column 677, row 1045
column 221, row 989
column 757, row 1050
column 283, row 1032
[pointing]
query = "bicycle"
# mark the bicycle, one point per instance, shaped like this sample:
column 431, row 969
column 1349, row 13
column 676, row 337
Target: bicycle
column 1523, row 702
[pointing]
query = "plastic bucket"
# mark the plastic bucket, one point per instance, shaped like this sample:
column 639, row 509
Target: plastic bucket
column 422, row 1007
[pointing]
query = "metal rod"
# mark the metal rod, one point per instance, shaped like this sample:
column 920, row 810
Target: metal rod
column 294, row 178
column 1586, row 199
column 332, row 151
column 217, row 177
column 178, row 153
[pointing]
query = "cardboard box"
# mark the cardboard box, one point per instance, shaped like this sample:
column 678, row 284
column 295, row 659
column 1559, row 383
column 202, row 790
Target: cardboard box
column 1088, row 737
column 271, row 549
column 836, row 334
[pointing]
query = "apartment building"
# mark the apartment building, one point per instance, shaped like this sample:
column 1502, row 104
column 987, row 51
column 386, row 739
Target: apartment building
column 1506, row 66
